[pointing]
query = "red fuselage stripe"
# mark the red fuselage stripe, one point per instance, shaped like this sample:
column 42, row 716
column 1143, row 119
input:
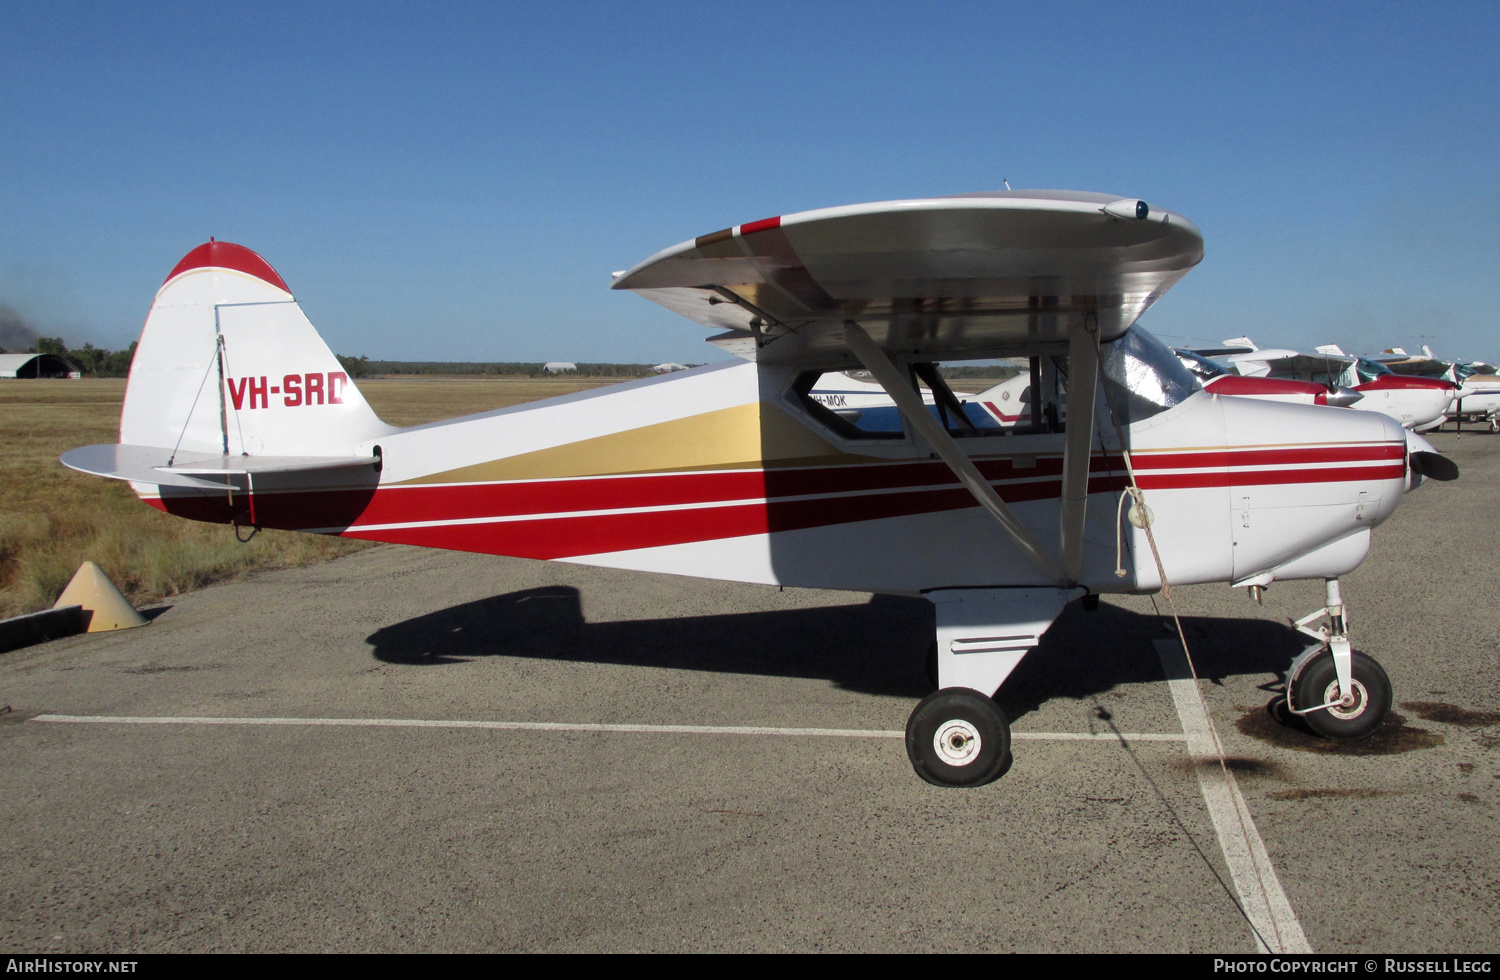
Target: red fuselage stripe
column 679, row 508
column 1254, row 478
column 1314, row 456
column 417, row 502
column 565, row 537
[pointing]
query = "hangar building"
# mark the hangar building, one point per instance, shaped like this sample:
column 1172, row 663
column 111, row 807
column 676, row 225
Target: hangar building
column 36, row 366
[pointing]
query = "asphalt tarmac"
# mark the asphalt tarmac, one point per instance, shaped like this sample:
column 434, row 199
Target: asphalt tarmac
column 627, row 818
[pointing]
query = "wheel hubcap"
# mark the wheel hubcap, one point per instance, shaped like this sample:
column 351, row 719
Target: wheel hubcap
column 1349, row 706
column 956, row 743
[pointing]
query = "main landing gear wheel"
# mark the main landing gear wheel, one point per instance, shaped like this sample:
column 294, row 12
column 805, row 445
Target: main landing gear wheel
column 1358, row 712
column 958, row 737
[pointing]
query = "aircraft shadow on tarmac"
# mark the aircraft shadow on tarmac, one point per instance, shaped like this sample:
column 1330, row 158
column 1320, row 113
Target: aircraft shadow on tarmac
column 879, row 647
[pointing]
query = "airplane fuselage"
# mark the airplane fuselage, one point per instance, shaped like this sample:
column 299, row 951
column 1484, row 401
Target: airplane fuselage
column 750, row 488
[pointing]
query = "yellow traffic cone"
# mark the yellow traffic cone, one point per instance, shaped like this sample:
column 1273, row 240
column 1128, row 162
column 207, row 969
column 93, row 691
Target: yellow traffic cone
column 93, row 590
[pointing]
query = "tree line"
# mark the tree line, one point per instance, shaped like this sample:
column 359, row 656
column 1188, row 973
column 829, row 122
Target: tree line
column 100, row 363
column 362, row 367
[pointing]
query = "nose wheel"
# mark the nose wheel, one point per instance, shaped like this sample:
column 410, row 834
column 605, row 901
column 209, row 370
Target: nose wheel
column 958, row 737
column 1340, row 693
column 1333, row 712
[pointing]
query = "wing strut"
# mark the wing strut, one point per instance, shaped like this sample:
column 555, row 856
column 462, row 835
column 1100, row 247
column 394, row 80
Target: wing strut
column 910, row 404
column 1083, row 382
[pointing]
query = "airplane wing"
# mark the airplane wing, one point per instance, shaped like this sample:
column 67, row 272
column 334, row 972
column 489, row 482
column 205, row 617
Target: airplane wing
column 1414, row 364
column 1281, row 362
column 947, row 276
column 1234, row 345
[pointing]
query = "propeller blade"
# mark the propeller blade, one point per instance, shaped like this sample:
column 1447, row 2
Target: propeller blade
column 1434, row 466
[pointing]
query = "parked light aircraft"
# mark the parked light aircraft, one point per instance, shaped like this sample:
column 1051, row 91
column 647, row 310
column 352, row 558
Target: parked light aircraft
column 867, row 406
column 1416, row 403
column 236, row 412
column 1219, row 381
column 1478, row 395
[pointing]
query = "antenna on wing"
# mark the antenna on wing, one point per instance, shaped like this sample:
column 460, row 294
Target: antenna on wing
column 1005, row 182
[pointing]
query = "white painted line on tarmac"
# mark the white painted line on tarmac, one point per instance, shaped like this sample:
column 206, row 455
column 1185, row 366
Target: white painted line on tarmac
column 1096, row 737
column 1274, row 923
column 562, row 726
column 531, row 726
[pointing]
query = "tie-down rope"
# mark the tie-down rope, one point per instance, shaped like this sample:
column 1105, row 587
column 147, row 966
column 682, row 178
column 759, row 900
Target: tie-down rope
column 1135, row 494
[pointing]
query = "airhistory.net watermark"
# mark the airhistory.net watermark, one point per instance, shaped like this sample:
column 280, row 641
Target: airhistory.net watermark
column 66, row 964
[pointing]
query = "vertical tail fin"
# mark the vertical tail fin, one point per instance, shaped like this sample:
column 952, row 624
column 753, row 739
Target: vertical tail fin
column 227, row 363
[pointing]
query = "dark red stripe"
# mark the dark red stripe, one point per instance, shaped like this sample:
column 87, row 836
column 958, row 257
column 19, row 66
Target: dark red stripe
column 1250, row 478
column 565, row 537
column 429, row 503
column 409, row 504
column 1270, row 457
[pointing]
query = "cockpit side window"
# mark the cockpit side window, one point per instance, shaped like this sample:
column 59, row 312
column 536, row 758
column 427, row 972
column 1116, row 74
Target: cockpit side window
column 852, row 408
column 1142, row 377
column 1017, row 395
column 970, row 399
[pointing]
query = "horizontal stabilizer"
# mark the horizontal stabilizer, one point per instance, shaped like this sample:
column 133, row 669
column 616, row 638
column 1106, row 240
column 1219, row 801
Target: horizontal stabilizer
column 260, row 465
column 154, row 464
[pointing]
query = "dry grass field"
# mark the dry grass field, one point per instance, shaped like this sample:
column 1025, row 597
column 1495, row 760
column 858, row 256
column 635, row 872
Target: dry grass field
column 52, row 519
column 413, row 401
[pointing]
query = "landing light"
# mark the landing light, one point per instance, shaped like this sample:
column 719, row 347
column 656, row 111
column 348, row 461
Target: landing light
column 1127, row 209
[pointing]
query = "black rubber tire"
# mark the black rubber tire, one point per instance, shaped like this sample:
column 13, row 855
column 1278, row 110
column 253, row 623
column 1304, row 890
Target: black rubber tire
column 1317, row 683
column 967, row 716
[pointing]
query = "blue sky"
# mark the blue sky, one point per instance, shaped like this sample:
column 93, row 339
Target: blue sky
column 457, row 181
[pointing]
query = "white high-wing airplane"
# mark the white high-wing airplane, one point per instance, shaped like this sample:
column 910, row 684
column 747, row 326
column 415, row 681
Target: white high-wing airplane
column 1478, row 395
column 1414, row 402
column 236, row 412
column 866, row 405
column 840, row 392
column 1008, row 403
column 1219, row 381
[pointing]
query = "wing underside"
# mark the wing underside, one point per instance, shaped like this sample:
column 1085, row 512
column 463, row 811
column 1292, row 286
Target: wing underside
column 940, row 276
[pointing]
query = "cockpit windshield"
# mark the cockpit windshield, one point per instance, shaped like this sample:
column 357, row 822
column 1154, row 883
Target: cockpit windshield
column 1142, row 377
column 1203, row 369
column 1367, row 370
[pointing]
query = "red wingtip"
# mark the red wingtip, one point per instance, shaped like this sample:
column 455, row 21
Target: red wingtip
column 227, row 255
